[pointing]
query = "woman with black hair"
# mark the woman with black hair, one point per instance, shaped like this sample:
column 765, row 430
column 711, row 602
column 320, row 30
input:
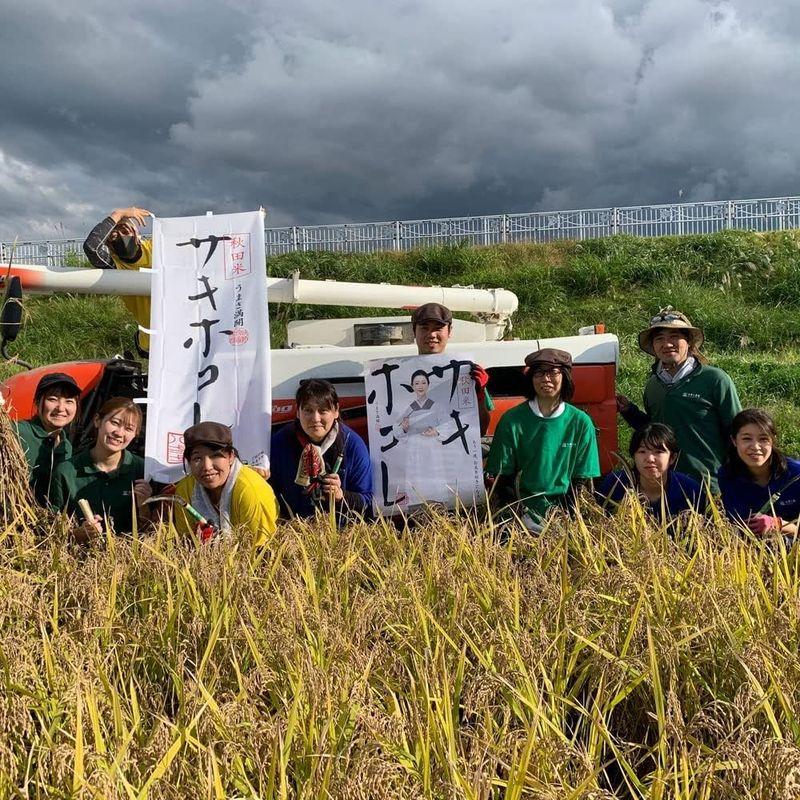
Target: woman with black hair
column 664, row 492
column 426, row 472
column 760, row 486
column 45, row 436
column 544, row 451
column 422, row 415
column 319, row 458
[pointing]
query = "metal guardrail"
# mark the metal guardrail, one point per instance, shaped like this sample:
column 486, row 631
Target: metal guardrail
column 676, row 219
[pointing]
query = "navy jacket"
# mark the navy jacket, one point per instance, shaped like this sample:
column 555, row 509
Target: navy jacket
column 355, row 473
column 743, row 497
column 681, row 493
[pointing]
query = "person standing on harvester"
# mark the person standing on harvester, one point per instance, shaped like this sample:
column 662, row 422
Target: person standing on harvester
column 696, row 400
column 115, row 243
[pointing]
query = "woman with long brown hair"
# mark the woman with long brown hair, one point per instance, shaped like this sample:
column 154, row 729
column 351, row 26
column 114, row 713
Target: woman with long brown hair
column 108, row 476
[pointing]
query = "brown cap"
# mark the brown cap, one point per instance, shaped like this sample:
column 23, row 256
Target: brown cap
column 214, row 435
column 670, row 319
column 549, row 357
column 432, row 312
column 65, row 382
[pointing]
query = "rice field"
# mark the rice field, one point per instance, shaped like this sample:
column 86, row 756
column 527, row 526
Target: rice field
column 455, row 659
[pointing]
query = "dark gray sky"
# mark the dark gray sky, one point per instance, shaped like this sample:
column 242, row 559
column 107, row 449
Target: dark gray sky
column 359, row 110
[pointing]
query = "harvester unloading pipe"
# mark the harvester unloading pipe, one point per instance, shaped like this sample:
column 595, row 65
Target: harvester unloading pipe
column 496, row 303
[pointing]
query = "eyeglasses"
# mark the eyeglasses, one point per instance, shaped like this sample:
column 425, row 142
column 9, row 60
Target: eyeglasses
column 550, row 372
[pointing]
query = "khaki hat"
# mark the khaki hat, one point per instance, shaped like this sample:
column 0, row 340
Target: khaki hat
column 213, row 435
column 670, row 319
column 432, row 312
column 549, row 357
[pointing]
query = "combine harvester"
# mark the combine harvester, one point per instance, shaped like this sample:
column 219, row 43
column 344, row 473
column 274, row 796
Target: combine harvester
column 334, row 349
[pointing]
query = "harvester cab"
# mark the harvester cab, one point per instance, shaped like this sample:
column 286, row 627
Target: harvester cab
column 336, row 349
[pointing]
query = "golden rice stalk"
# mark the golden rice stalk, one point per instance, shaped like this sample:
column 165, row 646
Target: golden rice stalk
column 17, row 505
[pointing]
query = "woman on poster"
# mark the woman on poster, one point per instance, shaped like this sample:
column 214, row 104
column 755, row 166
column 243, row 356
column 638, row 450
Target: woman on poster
column 421, row 430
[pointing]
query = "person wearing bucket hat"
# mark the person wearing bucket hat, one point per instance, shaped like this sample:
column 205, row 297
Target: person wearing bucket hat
column 44, row 436
column 544, row 450
column 432, row 324
column 684, row 391
column 227, row 493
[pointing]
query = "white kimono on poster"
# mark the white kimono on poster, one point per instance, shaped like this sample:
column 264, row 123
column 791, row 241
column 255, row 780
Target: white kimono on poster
column 421, row 450
column 421, row 430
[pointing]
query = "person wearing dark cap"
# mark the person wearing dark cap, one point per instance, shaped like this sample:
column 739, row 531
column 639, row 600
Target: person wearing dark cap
column 115, row 243
column 544, row 450
column 696, row 400
column 224, row 491
column 44, row 437
column 432, row 324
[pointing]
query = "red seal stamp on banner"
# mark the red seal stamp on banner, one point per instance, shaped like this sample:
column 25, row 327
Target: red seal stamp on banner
column 174, row 448
column 239, row 336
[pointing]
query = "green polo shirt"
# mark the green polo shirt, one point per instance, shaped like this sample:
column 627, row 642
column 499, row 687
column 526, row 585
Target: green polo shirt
column 108, row 493
column 42, row 457
column 545, row 453
column 699, row 408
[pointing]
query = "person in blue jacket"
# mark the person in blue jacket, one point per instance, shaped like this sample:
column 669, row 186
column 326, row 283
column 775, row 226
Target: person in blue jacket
column 662, row 490
column 318, row 457
column 760, row 486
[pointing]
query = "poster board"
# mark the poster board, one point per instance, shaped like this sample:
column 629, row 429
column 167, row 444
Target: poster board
column 424, row 432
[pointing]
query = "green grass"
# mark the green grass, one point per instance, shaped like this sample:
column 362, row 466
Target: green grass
column 742, row 288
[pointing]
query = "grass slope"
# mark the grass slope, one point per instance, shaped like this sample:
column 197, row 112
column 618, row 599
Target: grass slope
column 742, row 288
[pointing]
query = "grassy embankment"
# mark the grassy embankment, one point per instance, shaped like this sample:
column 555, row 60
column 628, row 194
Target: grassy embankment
column 602, row 659
column 743, row 289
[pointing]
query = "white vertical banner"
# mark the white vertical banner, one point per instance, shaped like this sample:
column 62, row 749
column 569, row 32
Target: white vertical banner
column 209, row 341
column 424, row 432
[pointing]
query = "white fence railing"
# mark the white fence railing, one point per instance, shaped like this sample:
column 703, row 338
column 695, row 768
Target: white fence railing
column 677, row 219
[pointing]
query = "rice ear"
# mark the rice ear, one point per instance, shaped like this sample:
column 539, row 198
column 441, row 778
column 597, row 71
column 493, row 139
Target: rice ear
column 16, row 496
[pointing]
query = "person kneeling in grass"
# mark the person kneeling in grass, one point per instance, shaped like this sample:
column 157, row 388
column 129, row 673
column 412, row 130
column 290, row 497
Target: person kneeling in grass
column 318, row 458
column 544, row 450
column 760, row 486
column 664, row 492
column 107, row 476
column 44, row 437
column 227, row 493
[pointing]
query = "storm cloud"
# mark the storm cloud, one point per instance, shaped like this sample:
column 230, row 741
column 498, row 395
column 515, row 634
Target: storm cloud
column 356, row 110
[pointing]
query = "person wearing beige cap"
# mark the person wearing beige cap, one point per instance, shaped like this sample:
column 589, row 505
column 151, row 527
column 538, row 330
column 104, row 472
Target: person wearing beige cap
column 227, row 493
column 432, row 324
column 544, row 450
column 696, row 400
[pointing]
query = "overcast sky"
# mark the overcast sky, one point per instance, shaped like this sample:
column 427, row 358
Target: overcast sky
column 359, row 110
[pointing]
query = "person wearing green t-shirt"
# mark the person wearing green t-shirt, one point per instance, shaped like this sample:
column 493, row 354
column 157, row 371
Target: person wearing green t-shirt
column 544, row 450
column 696, row 400
column 44, row 437
column 107, row 476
